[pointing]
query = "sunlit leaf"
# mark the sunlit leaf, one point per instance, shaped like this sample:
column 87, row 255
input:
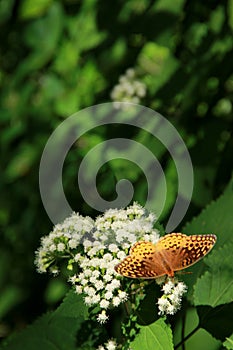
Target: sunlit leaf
column 215, row 287
column 158, row 335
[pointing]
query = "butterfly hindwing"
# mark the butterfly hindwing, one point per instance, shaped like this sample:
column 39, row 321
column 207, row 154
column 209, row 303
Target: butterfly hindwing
column 137, row 264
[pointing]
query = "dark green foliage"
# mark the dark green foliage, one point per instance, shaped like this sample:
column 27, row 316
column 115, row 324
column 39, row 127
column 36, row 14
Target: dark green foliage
column 54, row 330
column 57, row 57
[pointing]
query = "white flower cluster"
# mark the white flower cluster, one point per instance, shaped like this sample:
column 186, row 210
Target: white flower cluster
column 94, row 248
column 110, row 345
column 61, row 242
column 129, row 88
column 170, row 302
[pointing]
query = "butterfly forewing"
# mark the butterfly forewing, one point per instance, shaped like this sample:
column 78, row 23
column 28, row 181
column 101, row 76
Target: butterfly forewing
column 195, row 248
column 142, row 249
column 172, row 242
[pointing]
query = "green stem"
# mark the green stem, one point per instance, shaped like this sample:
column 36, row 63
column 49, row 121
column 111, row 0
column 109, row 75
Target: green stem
column 128, row 308
column 187, row 337
column 183, row 330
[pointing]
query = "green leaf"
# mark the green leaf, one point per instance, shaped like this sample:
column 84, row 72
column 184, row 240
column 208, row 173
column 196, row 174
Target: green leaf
column 147, row 312
column 201, row 338
column 54, row 330
column 159, row 64
column 72, row 306
column 217, row 19
column 216, row 287
column 157, row 336
column 89, row 36
column 34, row 36
column 36, row 31
column 229, row 343
column 34, row 8
column 217, row 321
column 55, row 290
column 21, row 163
column 202, row 194
column 46, row 333
column 10, row 296
column 216, row 218
column 230, row 13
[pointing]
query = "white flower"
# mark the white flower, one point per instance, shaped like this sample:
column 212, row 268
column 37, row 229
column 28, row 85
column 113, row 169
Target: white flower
column 131, row 238
column 87, row 243
column 170, row 302
column 113, row 248
column 84, row 281
column 93, row 280
column 181, row 288
column 107, row 257
column 104, row 304
column 108, row 295
column 122, row 295
column 130, row 73
column 81, row 276
column 73, row 279
column 120, row 236
column 163, row 305
column 111, row 345
column 102, row 317
column 87, row 272
column 73, row 243
column 113, row 285
column 121, row 255
column 96, row 299
column 168, row 287
column 94, row 262
column 88, row 300
column 154, row 236
column 89, row 291
column 61, row 247
column 78, row 289
column 95, row 273
column 175, row 298
column 116, row 301
column 91, row 300
column 108, row 277
column 125, row 246
column 52, row 248
column 77, row 257
column 171, row 310
column 129, row 89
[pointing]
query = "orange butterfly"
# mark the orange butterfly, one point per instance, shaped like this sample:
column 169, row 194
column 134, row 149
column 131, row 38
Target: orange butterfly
column 173, row 252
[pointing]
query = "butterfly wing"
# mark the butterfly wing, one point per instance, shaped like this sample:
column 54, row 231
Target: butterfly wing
column 138, row 263
column 181, row 251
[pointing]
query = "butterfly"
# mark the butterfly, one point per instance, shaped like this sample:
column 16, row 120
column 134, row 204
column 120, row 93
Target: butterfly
column 173, row 252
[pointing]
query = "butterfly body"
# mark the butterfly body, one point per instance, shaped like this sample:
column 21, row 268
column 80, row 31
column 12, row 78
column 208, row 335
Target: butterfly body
column 173, row 252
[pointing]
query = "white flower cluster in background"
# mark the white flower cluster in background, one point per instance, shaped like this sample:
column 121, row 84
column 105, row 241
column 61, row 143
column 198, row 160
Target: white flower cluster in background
column 170, row 302
column 93, row 249
column 109, row 345
column 129, row 89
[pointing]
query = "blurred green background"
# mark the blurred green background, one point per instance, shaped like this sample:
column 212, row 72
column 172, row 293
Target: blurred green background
column 58, row 57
